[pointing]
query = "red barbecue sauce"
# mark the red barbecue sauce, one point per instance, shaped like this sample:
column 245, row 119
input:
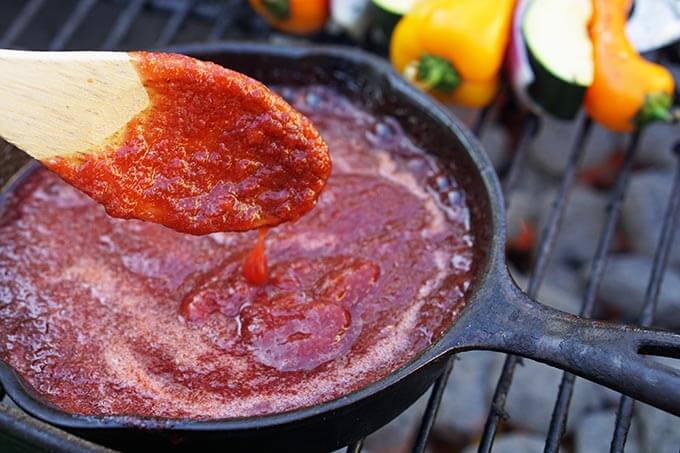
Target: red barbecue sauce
column 103, row 316
column 255, row 269
column 214, row 151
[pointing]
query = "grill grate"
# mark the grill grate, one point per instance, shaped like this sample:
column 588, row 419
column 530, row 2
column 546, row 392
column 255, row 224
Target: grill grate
column 545, row 247
column 231, row 18
column 670, row 223
column 559, row 419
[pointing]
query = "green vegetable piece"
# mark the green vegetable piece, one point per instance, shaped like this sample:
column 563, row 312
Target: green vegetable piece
column 657, row 107
column 280, row 9
column 438, row 74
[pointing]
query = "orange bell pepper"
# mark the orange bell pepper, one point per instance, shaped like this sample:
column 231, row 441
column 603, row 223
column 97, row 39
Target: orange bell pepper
column 300, row 17
column 453, row 48
column 627, row 90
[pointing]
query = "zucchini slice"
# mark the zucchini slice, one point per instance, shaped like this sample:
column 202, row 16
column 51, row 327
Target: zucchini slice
column 384, row 15
column 560, row 54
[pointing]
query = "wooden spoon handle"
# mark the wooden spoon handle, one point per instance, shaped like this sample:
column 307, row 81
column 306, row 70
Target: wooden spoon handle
column 61, row 103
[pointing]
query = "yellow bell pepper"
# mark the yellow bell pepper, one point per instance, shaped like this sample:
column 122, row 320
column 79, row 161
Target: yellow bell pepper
column 453, row 48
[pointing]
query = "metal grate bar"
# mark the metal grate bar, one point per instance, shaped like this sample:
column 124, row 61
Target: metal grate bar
column 72, row 23
column 661, row 255
column 224, row 20
column 481, row 120
column 43, row 436
column 432, row 407
column 175, row 23
column 497, row 411
column 123, row 24
column 355, row 447
column 558, row 421
column 544, row 251
column 624, row 414
column 21, row 22
column 528, row 130
column 662, row 252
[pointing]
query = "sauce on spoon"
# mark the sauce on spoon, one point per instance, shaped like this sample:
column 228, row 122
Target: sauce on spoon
column 216, row 151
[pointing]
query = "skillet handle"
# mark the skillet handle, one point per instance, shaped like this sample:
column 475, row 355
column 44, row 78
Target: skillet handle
column 606, row 353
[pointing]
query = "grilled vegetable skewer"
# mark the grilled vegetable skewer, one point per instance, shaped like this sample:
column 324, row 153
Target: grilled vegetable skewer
column 627, row 91
column 551, row 56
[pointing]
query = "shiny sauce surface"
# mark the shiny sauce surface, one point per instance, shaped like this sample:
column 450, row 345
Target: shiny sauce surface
column 103, row 316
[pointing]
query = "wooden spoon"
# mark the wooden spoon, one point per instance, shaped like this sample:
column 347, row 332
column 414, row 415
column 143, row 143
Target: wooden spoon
column 61, row 103
column 164, row 137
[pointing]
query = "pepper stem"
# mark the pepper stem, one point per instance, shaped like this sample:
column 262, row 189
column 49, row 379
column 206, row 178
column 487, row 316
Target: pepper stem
column 280, row 9
column 657, row 107
column 433, row 73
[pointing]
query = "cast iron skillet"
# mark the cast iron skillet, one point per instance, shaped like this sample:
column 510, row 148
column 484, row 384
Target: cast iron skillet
column 498, row 315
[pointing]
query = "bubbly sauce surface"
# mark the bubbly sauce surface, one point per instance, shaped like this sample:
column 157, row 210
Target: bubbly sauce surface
column 103, row 316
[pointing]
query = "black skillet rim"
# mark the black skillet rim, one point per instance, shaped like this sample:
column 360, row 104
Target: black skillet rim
column 29, row 401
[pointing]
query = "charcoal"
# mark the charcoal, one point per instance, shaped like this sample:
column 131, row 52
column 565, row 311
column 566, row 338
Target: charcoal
column 465, row 115
column 534, row 180
column 594, row 432
column 567, row 278
column 660, row 430
column 655, row 148
column 551, row 294
column 582, row 225
column 552, row 146
column 496, row 142
column 625, row 283
column 528, row 202
column 398, row 435
column 514, row 443
column 521, row 209
column 644, row 209
column 468, row 392
column 532, row 396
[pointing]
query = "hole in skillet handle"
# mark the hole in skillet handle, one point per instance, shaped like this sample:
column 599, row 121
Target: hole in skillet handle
column 502, row 318
column 659, row 349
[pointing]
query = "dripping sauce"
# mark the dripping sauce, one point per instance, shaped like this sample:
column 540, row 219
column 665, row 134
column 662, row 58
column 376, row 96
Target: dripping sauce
column 255, row 269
